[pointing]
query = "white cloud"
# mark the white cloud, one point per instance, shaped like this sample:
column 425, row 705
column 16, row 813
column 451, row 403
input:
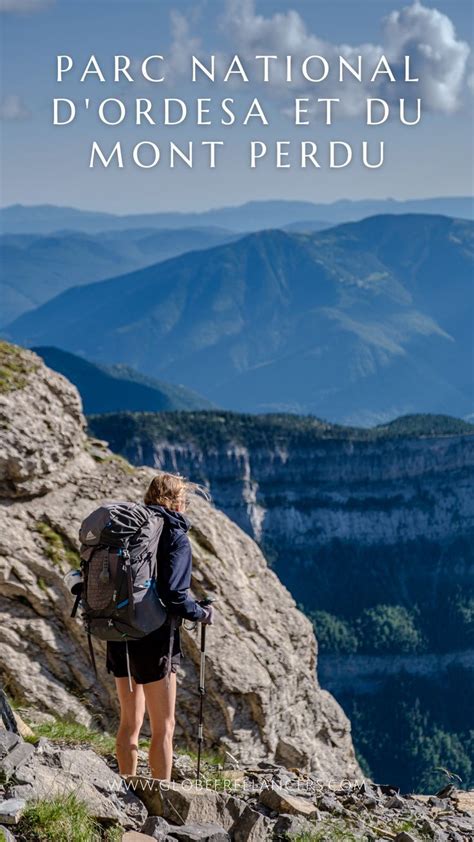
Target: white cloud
column 24, row 5
column 183, row 44
column 438, row 57
column 12, row 107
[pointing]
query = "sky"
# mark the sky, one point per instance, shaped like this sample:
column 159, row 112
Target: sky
column 43, row 163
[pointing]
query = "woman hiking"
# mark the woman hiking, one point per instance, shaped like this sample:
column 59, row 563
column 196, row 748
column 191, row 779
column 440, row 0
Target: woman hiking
column 153, row 679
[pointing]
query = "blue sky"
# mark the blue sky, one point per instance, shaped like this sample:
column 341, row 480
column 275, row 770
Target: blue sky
column 46, row 164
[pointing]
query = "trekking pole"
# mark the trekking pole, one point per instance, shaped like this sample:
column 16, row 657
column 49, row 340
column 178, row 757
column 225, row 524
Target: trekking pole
column 202, row 690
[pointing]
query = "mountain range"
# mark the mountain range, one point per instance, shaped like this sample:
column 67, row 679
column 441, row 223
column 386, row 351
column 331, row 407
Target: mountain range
column 36, row 268
column 118, row 387
column 251, row 216
column 358, row 323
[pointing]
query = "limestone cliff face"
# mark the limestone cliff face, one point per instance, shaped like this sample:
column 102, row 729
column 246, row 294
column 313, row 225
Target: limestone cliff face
column 263, row 698
column 346, row 523
column 369, row 491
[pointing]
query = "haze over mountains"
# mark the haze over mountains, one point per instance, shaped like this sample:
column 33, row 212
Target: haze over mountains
column 36, row 268
column 358, row 323
column 252, row 216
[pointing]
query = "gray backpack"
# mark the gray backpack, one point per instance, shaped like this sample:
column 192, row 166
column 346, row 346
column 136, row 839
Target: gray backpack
column 119, row 597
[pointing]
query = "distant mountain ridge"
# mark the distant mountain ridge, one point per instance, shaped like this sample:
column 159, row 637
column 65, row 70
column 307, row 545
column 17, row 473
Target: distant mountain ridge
column 36, row 268
column 116, row 388
column 352, row 323
column 251, row 216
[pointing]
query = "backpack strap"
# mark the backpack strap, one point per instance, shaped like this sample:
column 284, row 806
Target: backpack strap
column 173, row 626
column 128, row 573
column 76, row 604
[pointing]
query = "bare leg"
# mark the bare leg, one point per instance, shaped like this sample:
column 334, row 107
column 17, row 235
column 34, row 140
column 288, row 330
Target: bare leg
column 132, row 711
column 160, row 703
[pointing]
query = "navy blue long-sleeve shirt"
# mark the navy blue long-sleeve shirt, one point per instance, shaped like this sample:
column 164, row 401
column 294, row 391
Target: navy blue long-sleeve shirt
column 174, row 566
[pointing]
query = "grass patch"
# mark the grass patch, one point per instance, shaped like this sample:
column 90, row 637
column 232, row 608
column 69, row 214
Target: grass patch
column 57, row 548
column 57, row 819
column 209, row 758
column 15, row 367
column 72, row 733
column 122, row 463
column 337, row 834
column 409, row 826
column 75, row 734
column 113, row 834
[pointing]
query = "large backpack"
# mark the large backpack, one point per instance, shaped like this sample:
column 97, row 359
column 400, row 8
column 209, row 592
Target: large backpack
column 119, row 599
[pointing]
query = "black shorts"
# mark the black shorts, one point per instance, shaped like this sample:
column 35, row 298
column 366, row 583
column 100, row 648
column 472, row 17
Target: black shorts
column 148, row 656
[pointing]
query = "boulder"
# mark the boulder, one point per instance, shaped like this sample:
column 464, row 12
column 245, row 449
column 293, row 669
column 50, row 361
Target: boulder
column 288, row 826
column 281, row 802
column 156, row 827
column 396, row 802
column 205, row 832
column 13, row 753
column 251, row 826
column 182, row 804
column 11, row 810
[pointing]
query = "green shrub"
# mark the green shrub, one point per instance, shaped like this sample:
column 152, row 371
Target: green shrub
column 444, row 751
column 333, row 634
column 388, row 629
column 459, row 621
column 411, row 730
column 57, row 547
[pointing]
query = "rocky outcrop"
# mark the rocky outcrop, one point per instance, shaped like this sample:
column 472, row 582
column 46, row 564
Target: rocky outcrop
column 263, row 699
column 42, row 425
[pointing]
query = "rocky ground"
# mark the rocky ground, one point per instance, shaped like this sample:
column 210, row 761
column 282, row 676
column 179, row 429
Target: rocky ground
column 229, row 804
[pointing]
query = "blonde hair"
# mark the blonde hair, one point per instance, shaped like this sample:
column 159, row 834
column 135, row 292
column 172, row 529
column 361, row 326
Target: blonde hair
column 172, row 491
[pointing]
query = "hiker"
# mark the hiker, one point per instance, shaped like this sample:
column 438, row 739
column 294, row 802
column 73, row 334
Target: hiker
column 148, row 680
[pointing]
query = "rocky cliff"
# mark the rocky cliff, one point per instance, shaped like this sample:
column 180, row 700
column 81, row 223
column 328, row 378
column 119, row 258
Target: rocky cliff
column 332, row 501
column 263, row 699
column 369, row 491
